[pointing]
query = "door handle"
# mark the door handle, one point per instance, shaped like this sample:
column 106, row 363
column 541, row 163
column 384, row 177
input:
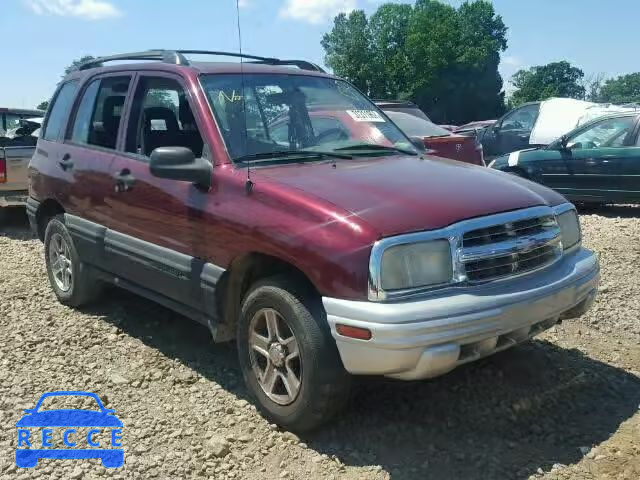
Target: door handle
column 591, row 162
column 66, row 163
column 124, row 181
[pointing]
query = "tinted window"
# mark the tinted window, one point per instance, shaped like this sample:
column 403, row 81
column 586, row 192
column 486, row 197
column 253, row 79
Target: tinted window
column 162, row 117
column 416, row 127
column 59, row 111
column 109, row 106
column 82, row 123
column 523, row 118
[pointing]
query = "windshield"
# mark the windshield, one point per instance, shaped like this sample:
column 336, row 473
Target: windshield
column 416, row 127
column 268, row 113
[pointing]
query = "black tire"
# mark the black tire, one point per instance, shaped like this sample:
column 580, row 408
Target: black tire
column 84, row 287
column 325, row 385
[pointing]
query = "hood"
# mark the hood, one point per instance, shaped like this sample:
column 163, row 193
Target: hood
column 399, row 194
column 69, row 418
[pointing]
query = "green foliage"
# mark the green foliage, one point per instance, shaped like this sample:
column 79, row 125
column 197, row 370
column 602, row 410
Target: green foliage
column 443, row 58
column 624, row 89
column 76, row 63
column 43, row 105
column 348, row 48
column 557, row 79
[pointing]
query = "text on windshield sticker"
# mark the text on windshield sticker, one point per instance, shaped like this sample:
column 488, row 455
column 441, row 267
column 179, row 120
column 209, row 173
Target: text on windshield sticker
column 366, row 116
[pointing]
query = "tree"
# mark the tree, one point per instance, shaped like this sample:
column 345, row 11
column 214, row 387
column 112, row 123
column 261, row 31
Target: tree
column 348, row 49
column 557, row 79
column 623, row 89
column 76, row 63
column 43, row 105
column 445, row 59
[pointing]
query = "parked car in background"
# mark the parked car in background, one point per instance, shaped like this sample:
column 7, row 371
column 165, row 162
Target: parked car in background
column 437, row 140
column 537, row 124
column 323, row 257
column 472, row 128
column 598, row 162
column 18, row 137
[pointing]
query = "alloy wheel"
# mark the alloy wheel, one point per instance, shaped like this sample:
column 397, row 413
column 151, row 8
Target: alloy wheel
column 60, row 262
column 275, row 356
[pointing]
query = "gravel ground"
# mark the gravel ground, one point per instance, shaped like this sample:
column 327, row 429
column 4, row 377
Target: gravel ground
column 564, row 406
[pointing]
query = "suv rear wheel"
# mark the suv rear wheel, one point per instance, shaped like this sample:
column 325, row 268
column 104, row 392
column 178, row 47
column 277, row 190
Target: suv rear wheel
column 70, row 278
column 288, row 358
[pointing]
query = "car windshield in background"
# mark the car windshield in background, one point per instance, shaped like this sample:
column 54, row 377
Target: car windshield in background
column 277, row 115
column 416, row 127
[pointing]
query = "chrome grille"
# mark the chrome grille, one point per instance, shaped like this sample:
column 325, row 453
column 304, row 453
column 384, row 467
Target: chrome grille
column 510, row 248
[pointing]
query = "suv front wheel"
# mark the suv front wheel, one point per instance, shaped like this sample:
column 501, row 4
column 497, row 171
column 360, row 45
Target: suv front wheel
column 70, row 278
column 288, row 358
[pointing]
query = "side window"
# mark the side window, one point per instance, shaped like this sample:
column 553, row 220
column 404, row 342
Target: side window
column 162, row 117
column 82, row 122
column 105, row 117
column 59, row 111
column 611, row 132
column 523, row 118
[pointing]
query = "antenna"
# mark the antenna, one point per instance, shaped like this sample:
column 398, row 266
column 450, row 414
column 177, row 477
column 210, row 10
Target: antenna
column 249, row 183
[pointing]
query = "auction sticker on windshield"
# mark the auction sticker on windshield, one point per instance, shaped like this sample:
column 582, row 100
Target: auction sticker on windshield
column 69, row 433
column 366, row 116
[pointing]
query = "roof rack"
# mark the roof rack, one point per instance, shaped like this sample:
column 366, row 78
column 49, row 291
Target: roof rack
column 177, row 57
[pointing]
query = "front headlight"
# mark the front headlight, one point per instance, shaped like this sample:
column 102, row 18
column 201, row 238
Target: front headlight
column 416, row 265
column 570, row 228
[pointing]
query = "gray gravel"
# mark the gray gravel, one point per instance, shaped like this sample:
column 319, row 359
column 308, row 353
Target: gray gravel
column 565, row 406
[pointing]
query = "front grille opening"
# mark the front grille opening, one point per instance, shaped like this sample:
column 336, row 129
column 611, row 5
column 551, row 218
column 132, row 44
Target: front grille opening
column 507, row 231
column 512, row 263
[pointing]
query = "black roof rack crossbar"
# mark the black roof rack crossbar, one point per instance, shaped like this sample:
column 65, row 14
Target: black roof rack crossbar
column 177, row 57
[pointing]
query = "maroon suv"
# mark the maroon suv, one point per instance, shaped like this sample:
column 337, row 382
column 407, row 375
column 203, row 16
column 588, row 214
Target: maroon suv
column 325, row 252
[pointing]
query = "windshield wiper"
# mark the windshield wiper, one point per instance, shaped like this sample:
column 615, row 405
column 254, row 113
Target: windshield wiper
column 287, row 154
column 375, row 146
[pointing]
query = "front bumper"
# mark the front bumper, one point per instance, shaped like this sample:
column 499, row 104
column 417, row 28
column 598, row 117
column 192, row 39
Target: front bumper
column 431, row 336
column 13, row 198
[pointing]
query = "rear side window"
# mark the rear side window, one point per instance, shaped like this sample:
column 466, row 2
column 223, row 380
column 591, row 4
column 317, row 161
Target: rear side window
column 82, row 122
column 60, row 111
column 103, row 106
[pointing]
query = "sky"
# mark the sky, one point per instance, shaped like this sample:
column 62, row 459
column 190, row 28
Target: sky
column 41, row 37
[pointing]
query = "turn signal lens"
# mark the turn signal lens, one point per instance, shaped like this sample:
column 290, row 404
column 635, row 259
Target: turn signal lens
column 354, row 332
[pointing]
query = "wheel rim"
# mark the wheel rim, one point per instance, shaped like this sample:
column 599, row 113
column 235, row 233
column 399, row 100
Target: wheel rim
column 275, row 356
column 60, row 262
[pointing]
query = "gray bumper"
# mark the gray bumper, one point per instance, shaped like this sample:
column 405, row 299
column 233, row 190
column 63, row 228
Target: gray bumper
column 13, row 198
column 431, row 336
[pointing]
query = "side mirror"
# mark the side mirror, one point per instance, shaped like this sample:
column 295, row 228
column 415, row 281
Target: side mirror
column 179, row 163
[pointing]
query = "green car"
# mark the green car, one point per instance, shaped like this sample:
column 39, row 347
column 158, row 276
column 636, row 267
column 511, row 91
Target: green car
column 598, row 162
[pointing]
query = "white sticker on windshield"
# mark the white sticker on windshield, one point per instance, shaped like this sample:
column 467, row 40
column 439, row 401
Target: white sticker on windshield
column 366, row 116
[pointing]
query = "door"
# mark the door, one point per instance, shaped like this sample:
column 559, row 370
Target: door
column 50, row 176
column 156, row 240
column 512, row 132
column 515, row 129
column 596, row 156
column 90, row 146
column 629, row 169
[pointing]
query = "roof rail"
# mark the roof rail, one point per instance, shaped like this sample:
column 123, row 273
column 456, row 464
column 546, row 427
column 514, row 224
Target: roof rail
column 177, row 57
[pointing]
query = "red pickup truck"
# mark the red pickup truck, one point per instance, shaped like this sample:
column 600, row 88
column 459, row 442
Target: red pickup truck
column 323, row 253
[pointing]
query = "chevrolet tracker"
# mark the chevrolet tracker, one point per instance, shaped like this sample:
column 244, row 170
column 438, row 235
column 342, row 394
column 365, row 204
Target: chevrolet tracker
column 325, row 250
